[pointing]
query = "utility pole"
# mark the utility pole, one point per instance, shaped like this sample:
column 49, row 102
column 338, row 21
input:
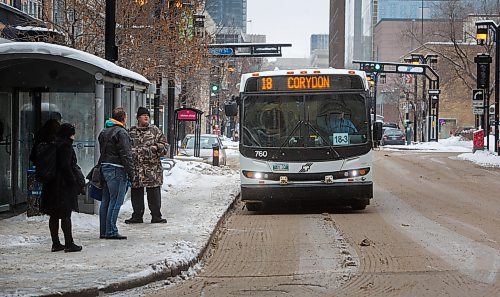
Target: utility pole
column 482, row 32
column 170, row 113
column 414, row 105
column 110, row 48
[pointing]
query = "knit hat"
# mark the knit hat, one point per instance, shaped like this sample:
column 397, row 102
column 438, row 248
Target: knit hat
column 66, row 130
column 141, row 111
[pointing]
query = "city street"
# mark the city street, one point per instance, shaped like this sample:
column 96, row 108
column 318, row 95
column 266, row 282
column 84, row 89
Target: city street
column 431, row 230
column 344, row 148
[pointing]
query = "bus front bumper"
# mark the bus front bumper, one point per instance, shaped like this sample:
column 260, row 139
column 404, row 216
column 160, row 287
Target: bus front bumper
column 334, row 192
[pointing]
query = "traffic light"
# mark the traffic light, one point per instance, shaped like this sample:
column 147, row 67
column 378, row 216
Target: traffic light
column 214, row 88
column 372, row 67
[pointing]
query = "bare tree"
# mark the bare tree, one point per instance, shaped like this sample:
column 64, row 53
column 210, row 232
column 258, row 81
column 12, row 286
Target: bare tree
column 456, row 35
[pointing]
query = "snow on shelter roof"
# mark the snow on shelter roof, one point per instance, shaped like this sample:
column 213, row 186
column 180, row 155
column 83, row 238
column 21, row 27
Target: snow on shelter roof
column 42, row 48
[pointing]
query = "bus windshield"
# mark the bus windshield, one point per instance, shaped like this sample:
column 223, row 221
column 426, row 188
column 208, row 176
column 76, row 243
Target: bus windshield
column 312, row 120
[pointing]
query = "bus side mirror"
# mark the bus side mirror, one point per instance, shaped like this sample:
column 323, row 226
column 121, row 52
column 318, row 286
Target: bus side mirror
column 231, row 108
column 377, row 131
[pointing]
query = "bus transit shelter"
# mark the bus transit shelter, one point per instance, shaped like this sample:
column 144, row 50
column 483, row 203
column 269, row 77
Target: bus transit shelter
column 40, row 81
column 183, row 115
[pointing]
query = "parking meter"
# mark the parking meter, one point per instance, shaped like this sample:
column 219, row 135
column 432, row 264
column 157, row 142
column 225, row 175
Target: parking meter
column 215, row 154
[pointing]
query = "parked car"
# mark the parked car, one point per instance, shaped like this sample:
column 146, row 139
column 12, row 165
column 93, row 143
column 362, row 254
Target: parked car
column 393, row 136
column 390, row 125
column 387, row 128
column 207, row 141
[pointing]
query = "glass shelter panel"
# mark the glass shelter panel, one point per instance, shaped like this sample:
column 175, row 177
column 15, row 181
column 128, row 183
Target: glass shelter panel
column 77, row 109
column 5, row 149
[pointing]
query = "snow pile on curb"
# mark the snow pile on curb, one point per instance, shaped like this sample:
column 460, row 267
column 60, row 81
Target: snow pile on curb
column 451, row 144
column 482, row 158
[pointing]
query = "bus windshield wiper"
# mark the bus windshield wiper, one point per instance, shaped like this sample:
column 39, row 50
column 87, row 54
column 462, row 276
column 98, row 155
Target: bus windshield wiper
column 291, row 134
column 326, row 141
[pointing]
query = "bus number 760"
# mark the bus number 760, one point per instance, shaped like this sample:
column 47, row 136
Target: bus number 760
column 261, row 154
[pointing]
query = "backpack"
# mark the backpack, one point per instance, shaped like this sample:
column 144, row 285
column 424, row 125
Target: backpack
column 45, row 160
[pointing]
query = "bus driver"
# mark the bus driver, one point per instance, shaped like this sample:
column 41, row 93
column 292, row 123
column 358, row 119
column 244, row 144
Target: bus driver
column 342, row 125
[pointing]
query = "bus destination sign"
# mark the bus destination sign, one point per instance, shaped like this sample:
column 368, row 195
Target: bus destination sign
column 294, row 83
column 304, row 83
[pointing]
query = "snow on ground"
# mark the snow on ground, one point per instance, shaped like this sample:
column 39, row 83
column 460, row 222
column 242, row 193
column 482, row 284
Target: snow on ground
column 456, row 144
column 452, row 144
column 195, row 195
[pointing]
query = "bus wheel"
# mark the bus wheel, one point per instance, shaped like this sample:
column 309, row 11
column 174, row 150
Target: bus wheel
column 253, row 206
column 358, row 205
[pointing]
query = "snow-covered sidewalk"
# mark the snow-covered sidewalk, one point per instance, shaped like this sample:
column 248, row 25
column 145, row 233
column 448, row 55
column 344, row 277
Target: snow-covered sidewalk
column 194, row 198
column 455, row 144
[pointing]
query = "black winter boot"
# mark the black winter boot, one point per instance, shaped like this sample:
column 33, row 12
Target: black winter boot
column 69, row 248
column 133, row 220
column 56, row 247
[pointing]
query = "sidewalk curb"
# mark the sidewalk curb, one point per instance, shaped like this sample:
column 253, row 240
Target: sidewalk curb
column 159, row 275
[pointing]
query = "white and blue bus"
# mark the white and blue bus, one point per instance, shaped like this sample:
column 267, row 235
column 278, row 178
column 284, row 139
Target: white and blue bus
column 305, row 134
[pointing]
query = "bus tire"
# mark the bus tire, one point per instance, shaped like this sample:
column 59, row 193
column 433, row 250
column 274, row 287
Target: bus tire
column 253, row 206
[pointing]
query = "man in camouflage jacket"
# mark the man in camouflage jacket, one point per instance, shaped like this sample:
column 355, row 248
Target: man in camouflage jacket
column 148, row 145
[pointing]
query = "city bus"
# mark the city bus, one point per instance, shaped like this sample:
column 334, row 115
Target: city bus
column 305, row 135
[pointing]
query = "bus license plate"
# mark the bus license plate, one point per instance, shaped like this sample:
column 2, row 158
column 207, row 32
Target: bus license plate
column 280, row 167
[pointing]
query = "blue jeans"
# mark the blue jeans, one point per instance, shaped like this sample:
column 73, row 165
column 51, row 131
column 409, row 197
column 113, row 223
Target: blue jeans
column 113, row 193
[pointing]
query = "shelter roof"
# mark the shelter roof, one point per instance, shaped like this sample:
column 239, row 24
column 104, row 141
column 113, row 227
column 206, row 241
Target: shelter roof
column 91, row 63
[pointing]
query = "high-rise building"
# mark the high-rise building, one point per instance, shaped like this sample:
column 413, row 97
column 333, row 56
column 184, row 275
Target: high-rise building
column 319, row 41
column 255, row 38
column 416, row 9
column 352, row 23
column 228, row 13
column 410, row 9
column 336, row 44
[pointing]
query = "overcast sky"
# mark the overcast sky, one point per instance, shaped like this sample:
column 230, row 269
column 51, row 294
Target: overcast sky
column 288, row 21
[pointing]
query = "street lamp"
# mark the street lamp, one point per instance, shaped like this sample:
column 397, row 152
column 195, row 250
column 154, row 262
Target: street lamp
column 416, row 58
column 432, row 60
column 483, row 28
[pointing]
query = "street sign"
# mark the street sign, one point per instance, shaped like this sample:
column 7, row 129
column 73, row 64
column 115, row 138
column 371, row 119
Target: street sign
column 478, row 102
column 258, row 50
column 478, row 111
column 222, row 51
column 412, row 69
column 434, row 92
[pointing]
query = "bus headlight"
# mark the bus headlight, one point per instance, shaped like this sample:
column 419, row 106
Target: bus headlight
column 352, row 173
column 255, row 174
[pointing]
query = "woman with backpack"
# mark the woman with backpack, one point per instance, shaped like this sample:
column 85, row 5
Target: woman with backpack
column 60, row 192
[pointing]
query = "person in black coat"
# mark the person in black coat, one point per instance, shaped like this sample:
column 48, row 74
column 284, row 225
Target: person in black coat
column 59, row 196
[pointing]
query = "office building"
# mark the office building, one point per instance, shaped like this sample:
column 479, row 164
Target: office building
column 318, row 41
column 228, row 13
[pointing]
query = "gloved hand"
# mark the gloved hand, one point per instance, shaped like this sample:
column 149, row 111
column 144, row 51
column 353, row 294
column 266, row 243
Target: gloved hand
column 83, row 190
column 154, row 149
